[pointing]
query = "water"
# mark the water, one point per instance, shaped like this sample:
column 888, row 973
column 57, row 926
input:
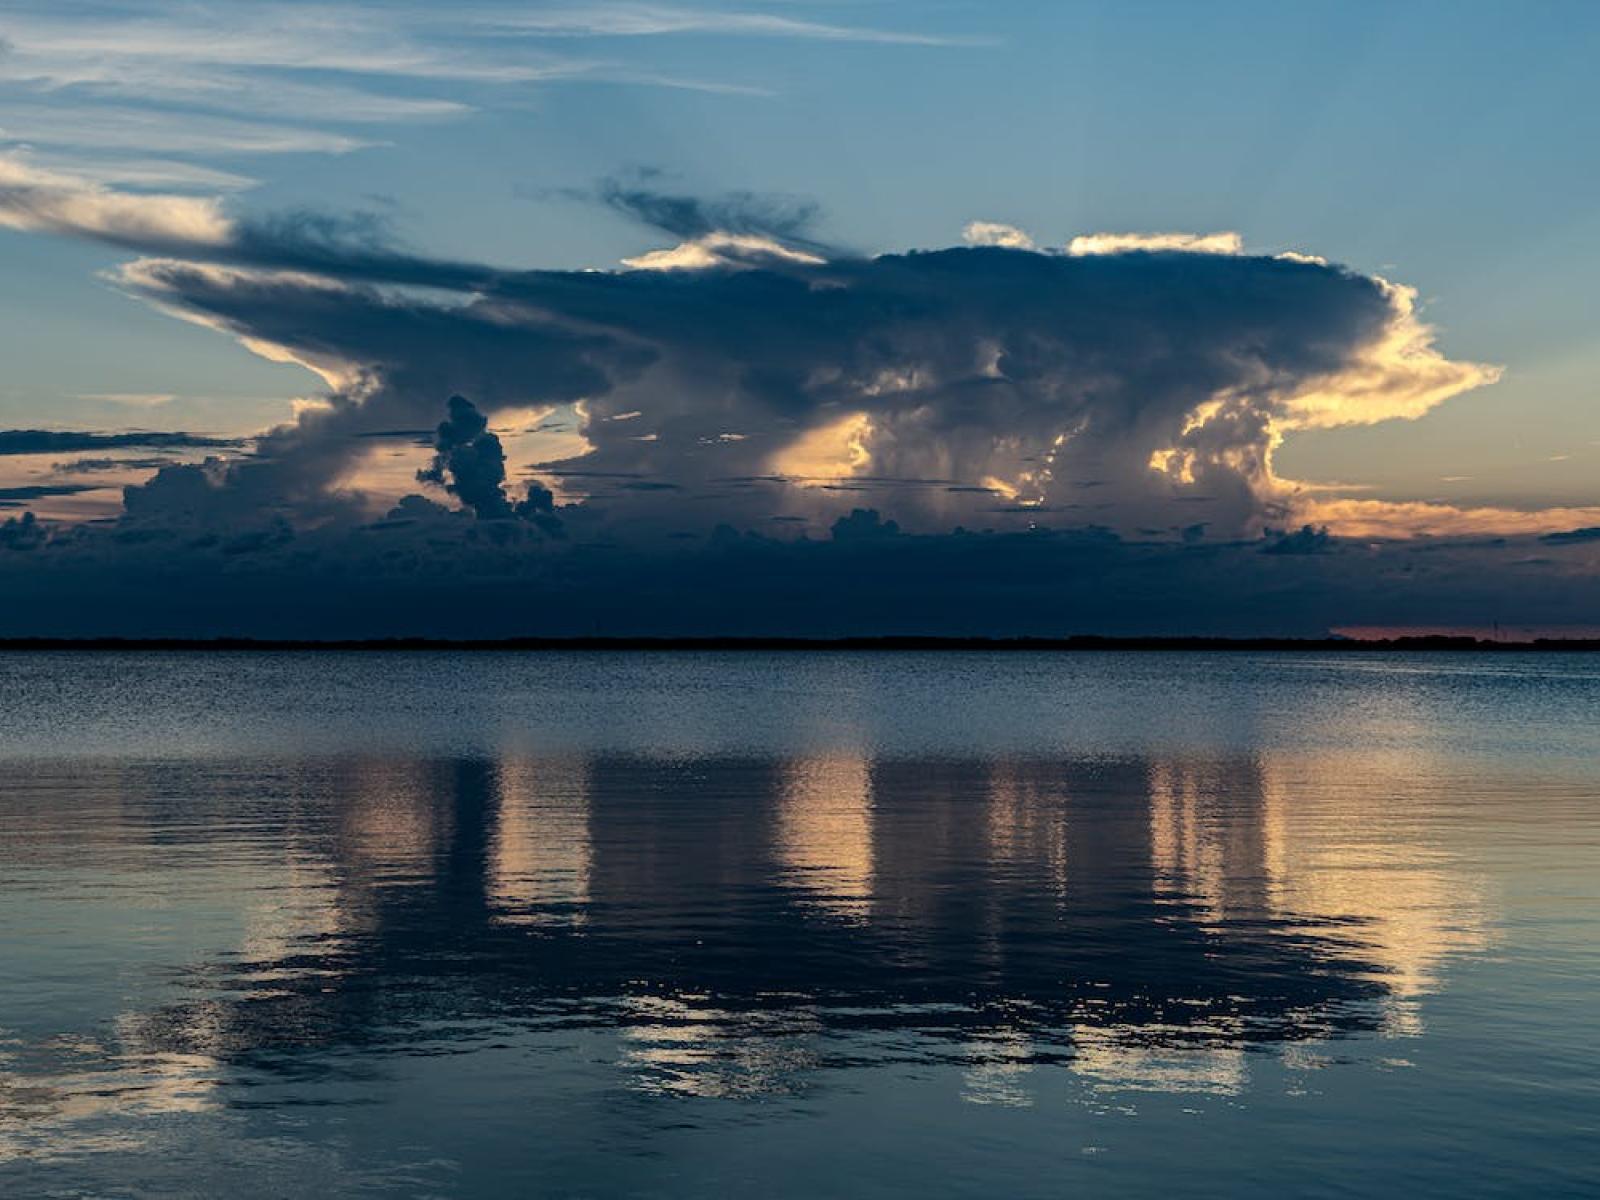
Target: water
column 799, row 925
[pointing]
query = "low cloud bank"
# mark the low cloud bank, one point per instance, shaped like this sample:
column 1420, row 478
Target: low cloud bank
column 426, row 570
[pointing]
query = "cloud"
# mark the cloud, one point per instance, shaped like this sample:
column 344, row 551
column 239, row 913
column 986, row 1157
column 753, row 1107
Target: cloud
column 733, row 250
column 992, row 233
column 145, row 173
column 780, row 218
column 188, row 48
column 1397, row 375
column 91, row 466
column 1126, row 243
column 429, row 571
column 737, row 229
column 655, row 20
column 131, row 399
column 12, row 497
column 267, row 77
column 200, row 227
column 468, row 461
column 863, row 524
column 1411, row 518
column 39, row 200
column 1308, row 539
column 116, row 128
column 769, row 398
column 52, row 441
column 1564, row 537
column 21, row 533
column 982, row 386
column 470, row 464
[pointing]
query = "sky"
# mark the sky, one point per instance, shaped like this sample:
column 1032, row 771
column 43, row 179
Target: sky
column 797, row 317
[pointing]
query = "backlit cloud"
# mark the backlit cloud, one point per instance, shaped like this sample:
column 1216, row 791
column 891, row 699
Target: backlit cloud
column 993, row 233
column 39, row 200
column 1399, row 374
column 749, row 376
column 728, row 250
column 1123, row 243
column 1354, row 517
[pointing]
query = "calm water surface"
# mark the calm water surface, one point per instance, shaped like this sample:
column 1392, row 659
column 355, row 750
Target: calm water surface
column 799, row 925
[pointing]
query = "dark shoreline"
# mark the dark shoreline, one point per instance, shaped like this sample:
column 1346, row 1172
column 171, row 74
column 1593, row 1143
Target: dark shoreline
column 801, row 644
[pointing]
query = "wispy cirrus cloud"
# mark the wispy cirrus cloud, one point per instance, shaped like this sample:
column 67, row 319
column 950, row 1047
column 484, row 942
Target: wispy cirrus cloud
column 121, row 130
column 133, row 79
column 131, row 399
column 34, row 200
column 125, row 41
column 37, row 200
column 138, row 172
column 656, row 20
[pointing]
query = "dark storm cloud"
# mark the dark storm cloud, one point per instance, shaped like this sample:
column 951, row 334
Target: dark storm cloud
column 421, row 437
column 468, row 461
column 774, row 439
column 11, row 497
column 470, row 464
column 863, row 524
column 48, row 441
column 21, row 533
column 1305, row 540
column 1167, row 375
column 433, row 571
column 357, row 247
column 92, row 466
column 405, row 357
column 1569, row 536
column 1023, row 373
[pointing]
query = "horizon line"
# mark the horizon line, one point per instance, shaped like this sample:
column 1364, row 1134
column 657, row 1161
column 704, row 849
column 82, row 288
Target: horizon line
column 892, row 642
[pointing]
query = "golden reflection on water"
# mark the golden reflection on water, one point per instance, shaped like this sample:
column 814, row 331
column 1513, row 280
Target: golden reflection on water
column 1345, row 863
column 1119, row 1059
column 1355, row 850
column 688, row 1046
column 540, row 855
column 824, row 832
column 1350, row 856
column 56, row 1099
column 311, row 905
column 393, row 823
column 1000, row 1065
column 1028, row 813
column 1208, row 835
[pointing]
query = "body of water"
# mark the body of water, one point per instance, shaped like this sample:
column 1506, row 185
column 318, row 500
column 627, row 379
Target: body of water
column 795, row 925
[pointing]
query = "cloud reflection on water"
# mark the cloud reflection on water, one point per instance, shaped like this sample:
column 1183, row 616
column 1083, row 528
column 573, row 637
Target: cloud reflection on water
column 742, row 927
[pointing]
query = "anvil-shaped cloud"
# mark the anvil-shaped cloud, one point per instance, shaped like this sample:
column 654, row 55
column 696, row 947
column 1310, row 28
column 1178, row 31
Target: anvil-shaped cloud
column 1136, row 382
